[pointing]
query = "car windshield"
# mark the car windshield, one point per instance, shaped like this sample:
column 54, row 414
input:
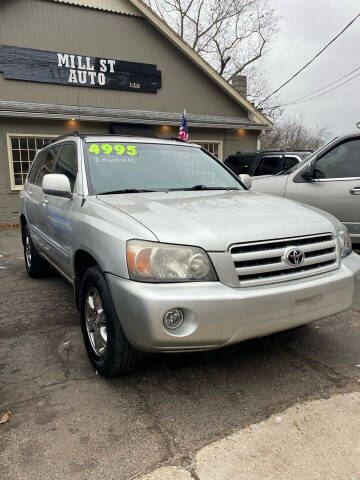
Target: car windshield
column 132, row 167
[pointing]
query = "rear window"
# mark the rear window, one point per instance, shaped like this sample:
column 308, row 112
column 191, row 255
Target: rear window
column 269, row 166
column 289, row 162
column 241, row 163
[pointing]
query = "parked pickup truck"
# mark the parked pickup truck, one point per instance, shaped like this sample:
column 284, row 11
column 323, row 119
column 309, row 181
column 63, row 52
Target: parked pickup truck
column 168, row 250
column 329, row 179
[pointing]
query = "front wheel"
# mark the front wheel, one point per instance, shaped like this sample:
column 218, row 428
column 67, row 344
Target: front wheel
column 107, row 347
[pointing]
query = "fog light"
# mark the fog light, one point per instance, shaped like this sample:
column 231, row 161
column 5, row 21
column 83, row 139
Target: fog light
column 173, row 318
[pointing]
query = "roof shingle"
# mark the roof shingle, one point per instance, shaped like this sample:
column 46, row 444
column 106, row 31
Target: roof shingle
column 117, row 6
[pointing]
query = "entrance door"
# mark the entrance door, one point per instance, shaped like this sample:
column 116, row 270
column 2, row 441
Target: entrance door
column 336, row 186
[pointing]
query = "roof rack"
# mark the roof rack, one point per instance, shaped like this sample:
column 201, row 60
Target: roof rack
column 304, row 150
column 70, row 134
column 286, row 150
column 83, row 135
column 273, row 150
column 176, row 139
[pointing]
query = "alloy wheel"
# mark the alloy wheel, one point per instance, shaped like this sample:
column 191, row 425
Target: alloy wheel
column 28, row 251
column 95, row 321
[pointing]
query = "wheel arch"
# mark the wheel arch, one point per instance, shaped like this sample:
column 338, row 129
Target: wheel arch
column 83, row 260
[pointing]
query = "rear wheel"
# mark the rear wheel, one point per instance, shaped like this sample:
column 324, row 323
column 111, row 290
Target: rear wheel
column 36, row 266
column 107, row 347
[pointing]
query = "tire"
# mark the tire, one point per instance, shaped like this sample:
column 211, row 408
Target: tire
column 36, row 266
column 109, row 350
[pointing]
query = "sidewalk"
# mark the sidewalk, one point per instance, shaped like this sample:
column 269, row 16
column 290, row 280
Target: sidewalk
column 318, row 440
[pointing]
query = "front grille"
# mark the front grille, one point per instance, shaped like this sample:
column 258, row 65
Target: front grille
column 261, row 263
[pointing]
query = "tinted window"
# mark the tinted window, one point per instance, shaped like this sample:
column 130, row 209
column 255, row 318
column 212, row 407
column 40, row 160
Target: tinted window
column 35, row 167
column 240, row 163
column 341, row 162
column 67, row 163
column 46, row 165
column 269, row 166
column 289, row 162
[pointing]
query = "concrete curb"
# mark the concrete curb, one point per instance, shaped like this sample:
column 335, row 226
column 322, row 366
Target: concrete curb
column 318, row 440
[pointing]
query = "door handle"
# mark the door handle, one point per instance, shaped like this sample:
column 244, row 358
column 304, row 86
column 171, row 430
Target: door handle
column 30, row 192
column 355, row 191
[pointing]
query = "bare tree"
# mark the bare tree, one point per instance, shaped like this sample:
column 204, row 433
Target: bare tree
column 291, row 134
column 231, row 35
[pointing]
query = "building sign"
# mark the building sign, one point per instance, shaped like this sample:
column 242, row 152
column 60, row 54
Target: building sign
column 78, row 70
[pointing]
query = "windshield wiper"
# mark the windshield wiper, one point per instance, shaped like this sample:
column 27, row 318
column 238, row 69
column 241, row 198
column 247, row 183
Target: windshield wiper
column 126, row 190
column 201, row 187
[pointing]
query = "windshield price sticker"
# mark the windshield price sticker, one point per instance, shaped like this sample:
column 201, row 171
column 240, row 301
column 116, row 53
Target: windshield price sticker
column 117, row 149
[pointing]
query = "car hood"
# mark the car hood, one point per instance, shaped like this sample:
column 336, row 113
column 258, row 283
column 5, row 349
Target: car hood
column 214, row 220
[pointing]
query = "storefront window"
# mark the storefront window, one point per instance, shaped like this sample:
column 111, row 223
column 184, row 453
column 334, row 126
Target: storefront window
column 22, row 150
column 215, row 148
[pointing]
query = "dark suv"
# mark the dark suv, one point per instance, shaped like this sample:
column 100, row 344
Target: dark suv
column 266, row 162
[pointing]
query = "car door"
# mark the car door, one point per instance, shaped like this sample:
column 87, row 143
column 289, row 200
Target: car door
column 58, row 210
column 34, row 197
column 335, row 187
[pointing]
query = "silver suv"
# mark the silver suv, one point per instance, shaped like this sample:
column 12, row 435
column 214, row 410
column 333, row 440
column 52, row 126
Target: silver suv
column 329, row 179
column 169, row 251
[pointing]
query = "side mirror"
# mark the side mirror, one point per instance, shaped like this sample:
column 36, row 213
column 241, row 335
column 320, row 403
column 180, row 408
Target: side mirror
column 56, row 184
column 246, row 180
column 308, row 172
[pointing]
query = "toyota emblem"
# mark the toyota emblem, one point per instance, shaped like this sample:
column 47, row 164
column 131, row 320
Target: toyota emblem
column 294, row 257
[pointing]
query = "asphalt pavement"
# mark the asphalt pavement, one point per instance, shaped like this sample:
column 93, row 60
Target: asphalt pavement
column 66, row 422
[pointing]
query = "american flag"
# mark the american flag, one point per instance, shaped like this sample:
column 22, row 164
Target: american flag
column 184, row 128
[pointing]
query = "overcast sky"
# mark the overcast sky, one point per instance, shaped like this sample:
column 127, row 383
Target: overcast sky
column 305, row 27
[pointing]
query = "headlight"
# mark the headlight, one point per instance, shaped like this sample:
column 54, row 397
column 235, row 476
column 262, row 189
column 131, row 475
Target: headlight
column 161, row 262
column 344, row 241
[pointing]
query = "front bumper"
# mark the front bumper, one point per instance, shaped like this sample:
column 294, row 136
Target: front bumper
column 217, row 315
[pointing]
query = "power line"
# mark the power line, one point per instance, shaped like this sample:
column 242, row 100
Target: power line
column 312, row 59
column 322, row 88
column 299, row 100
column 321, row 94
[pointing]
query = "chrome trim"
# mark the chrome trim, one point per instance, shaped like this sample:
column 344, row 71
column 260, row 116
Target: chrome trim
column 353, row 227
column 265, row 262
column 289, row 277
column 335, row 179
